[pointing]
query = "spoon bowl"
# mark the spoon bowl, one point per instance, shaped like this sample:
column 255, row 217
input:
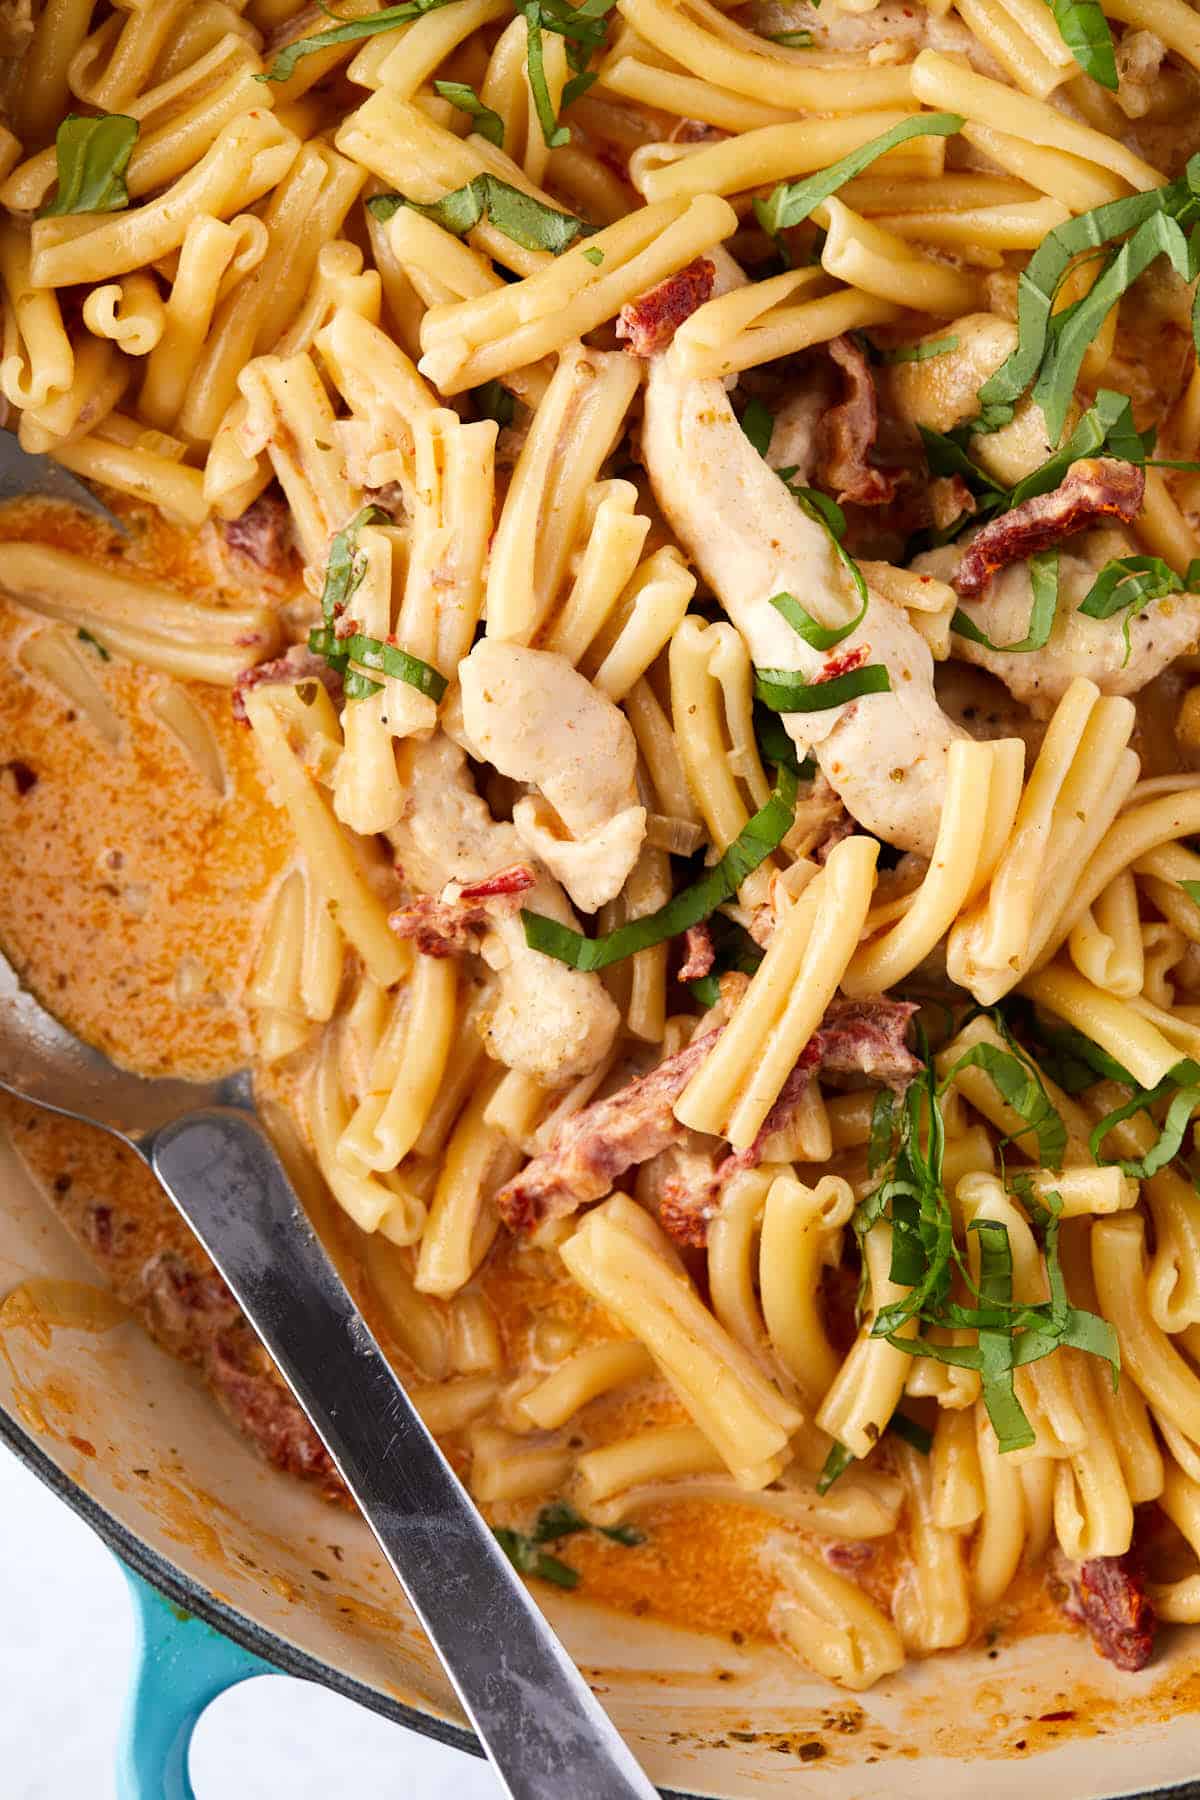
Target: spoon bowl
column 542, row 1728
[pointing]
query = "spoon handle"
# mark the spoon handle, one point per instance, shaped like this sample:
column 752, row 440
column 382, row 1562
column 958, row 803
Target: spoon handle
column 542, row 1728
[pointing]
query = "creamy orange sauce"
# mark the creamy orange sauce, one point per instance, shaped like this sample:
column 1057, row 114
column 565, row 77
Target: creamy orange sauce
column 128, row 886
column 129, row 898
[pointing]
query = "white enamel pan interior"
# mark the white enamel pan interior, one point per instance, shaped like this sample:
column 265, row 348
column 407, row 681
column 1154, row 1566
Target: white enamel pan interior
column 132, row 1441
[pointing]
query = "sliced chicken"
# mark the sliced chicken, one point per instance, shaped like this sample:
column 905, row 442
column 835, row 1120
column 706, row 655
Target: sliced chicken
column 885, row 753
column 893, row 23
column 1078, row 645
column 549, row 1021
column 534, row 717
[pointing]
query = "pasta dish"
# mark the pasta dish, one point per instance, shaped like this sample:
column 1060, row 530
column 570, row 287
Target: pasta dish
column 640, row 667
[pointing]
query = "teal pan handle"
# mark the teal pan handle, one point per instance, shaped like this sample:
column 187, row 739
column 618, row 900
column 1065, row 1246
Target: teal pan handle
column 180, row 1667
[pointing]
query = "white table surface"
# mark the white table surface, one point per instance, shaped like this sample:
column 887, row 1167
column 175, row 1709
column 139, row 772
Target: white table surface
column 65, row 1638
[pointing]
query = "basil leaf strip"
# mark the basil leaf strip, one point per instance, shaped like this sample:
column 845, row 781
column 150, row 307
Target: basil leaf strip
column 1019, row 1084
column 1043, row 582
column 1183, row 1081
column 349, row 31
column 1085, row 31
column 344, row 569
column 389, row 659
column 789, row 204
column 734, row 949
column 1042, row 276
column 753, row 844
column 526, row 1557
column 1190, row 888
column 492, row 401
column 488, row 124
column 554, row 135
column 758, row 424
column 827, row 513
column 1069, row 1058
column 1012, row 1427
column 775, row 746
column 92, row 156
column 519, row 216
column 792, row 40
column 821, row 637
column 1071, row 333
column 1107, row 425
column 1129, row 583
column 911, row 1431
column 835, row 1464
column 915, row 353
column 784, row 691
column 93, row 643
column 883, row 1130
column 559, row 1520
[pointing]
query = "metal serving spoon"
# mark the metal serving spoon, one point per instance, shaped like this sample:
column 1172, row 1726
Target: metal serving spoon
column 546, row 1735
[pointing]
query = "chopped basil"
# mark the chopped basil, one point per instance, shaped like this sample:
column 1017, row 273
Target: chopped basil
column 1192, row 890
column 733, row 949
column 559, row 1520
column 92, row 155
column 1043, row 275
column 792, row 40
column 829, row 514
column 836, row 1463
column 85, row 637
column 996, row 1343
column 911, row 1431
column 1183, row 1083
column 758, row 423
column 1128, row 583
column 775, row 746
column 1085, row 31
column 790, row 203
column 821, row 637
column 492, row 401
column 488, row 124
column 345, row 568
column 347, row 31
column 925, row 1256
column 1106, row 428
column 840, row 1459
column 915, row 353
column 390, row 660
column 343, row 573
column 1073, row 330
column 528, row 1559
column 784, row 691
column 754, row 843
column 584, row 28
column 1069, row 1058
column 595, row 257
column 553, row 134
column 519, row 216
column 883, row 1130
column 1019, row 1084
column 1043, row 582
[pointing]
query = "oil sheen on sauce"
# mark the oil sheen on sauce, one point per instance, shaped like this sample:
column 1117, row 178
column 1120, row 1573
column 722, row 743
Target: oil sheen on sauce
column 129, row 894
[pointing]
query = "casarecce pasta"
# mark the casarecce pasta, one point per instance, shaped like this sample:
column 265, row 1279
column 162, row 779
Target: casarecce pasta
column 649, row 686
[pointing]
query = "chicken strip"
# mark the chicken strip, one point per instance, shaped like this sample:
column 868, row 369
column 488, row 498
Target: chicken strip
column 538, row 720
column 884, row 754
column 549, row 1021
column 1078, row 645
